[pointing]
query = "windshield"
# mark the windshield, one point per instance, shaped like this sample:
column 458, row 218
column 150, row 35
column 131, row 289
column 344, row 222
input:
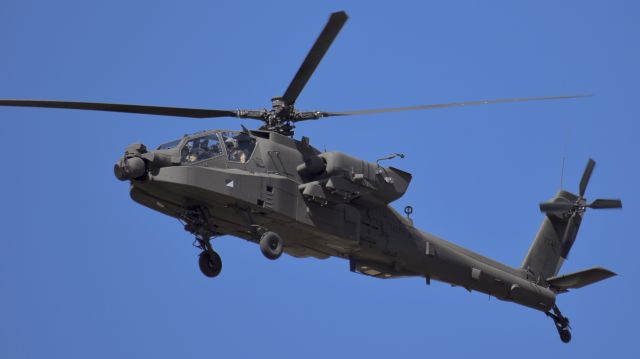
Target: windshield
column 169, row 145
column 201, row 148
column 239, row 146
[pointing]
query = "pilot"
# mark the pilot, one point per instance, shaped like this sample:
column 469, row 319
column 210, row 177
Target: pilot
column 197, row 151
column 243, row 156
column 234, row 151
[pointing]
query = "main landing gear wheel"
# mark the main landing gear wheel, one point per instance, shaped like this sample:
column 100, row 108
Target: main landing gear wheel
column 562, row 324
column 271, row 245
column 210, row 263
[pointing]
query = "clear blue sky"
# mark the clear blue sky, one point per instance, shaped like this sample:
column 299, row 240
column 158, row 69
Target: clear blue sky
column 85, row 272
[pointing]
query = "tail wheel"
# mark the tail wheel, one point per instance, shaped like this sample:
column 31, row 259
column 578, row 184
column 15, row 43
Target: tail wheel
column 565, row 335
column 271, row 245
column 210, row 263
column 562, row 324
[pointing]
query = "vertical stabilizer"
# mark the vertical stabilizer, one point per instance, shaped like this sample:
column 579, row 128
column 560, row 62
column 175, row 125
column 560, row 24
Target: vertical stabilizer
column 563, row 215
column 545, row 256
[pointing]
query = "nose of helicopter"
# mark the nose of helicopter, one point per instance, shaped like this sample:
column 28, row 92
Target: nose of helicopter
column 138, row 161
column 131, row 165
column 129, row 168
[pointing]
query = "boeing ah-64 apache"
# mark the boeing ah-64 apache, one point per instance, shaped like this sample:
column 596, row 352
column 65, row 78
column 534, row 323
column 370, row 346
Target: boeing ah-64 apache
column 269, row 188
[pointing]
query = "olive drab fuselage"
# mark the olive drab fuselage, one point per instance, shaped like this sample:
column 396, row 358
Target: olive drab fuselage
column 322, row 204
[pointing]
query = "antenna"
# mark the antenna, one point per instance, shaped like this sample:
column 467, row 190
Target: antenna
column 562, row 172
column 390, row 157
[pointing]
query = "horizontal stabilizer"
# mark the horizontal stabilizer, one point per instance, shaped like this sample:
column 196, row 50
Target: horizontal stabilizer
column 579, row 279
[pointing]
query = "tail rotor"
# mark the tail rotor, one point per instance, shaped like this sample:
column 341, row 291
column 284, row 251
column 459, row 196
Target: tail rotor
column 572, row 211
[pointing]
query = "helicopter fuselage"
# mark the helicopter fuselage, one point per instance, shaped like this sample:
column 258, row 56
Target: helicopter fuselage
column 321, row 204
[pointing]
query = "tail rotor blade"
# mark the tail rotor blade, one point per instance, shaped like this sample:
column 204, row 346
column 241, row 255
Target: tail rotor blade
column 569, row 236
column 605, row 203
column 555, row 207
column 586, row 176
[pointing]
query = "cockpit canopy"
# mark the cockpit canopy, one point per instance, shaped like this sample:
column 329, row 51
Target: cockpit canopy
column 169, row 145
column 201, row 148
column 239, row 146
column 236, row 146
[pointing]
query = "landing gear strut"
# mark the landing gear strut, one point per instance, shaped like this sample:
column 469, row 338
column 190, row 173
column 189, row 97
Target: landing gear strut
column 562, row 324
column 197, row 222
column 210, row 262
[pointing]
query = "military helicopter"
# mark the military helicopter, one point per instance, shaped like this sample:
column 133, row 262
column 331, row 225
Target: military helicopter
column 266, row 187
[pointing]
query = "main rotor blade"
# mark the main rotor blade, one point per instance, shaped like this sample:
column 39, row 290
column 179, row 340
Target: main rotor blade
column 115, row 107
column 606, row 203
column 586, row 176
column 450, row 104
column 570, row 234
column 320, row 47
column 557, row 207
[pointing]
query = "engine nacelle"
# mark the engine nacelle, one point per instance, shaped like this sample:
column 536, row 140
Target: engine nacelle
column 350, row 177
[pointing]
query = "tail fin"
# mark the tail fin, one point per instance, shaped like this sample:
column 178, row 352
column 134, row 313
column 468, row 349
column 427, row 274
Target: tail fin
column 545, row 256
column 563, row 215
